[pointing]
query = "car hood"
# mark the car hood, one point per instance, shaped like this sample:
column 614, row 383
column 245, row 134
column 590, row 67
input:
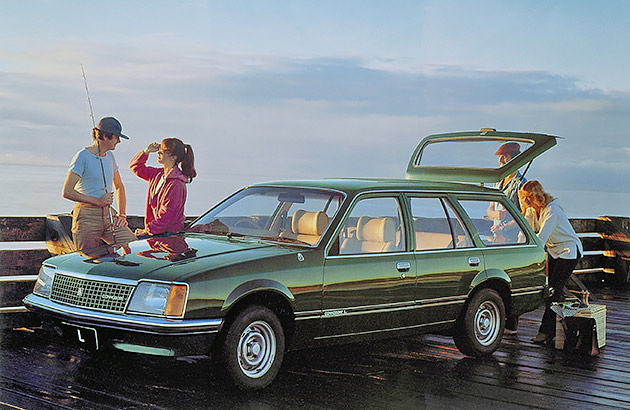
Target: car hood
column 166, row 258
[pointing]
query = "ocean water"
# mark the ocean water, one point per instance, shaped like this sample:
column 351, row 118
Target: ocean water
column 27, row 190
column 35, row 190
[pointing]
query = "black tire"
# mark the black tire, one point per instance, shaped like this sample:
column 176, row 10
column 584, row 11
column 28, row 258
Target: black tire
column 479, row 329
column 253, row 348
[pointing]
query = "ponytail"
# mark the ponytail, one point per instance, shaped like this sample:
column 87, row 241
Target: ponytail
column 188, row 163
column 184, row 154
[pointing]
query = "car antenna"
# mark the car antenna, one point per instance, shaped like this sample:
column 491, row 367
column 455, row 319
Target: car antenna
column 109, row 209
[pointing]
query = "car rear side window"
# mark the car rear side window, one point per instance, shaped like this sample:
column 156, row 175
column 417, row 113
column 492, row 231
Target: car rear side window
column 435, row 224
column 494, row 223
column 374, row 226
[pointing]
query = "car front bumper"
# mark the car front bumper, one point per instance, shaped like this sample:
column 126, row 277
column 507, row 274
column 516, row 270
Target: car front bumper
column 132, row 333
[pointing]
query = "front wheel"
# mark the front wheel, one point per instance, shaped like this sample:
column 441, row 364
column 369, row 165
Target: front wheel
column 253, row 348
column 480, row 327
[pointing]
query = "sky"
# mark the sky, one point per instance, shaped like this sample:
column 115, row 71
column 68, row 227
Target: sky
column 272, row 90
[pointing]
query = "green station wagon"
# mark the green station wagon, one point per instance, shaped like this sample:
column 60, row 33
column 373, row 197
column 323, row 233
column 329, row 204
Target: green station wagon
column 298, row 264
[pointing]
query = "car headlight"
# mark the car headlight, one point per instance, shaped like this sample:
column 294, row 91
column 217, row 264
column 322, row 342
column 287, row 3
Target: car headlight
column 43, row 285
column 160, row 299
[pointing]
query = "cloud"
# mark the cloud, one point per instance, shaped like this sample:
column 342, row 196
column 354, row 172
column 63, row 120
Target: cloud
column 354, row 86
column 252, row 118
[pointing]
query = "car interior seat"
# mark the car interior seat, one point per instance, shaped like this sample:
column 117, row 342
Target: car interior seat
column 309, row 226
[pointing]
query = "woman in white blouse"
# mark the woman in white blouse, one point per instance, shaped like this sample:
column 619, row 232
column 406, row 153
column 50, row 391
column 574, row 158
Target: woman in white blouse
column 563, row 246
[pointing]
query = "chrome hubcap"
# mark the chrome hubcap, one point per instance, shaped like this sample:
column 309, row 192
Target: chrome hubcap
column 487, row 323
column 256, row 349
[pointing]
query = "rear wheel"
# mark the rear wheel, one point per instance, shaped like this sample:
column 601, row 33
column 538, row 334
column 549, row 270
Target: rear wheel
column 253, row 348
column 480, row 327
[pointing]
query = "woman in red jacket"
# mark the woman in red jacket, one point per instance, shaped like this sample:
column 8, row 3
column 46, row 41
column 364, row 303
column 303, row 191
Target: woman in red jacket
column 167, row 185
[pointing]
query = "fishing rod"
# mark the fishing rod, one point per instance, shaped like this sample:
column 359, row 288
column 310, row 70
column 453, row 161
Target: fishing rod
column 109, row 208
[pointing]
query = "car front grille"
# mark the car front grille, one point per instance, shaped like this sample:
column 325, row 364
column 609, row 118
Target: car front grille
column 90, row 294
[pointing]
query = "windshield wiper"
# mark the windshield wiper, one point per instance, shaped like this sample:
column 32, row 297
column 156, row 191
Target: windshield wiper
column 231, row 235
column 284, row 239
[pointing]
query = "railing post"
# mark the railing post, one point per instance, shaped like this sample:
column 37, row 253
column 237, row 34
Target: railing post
column 58, row 234
column 616, row 235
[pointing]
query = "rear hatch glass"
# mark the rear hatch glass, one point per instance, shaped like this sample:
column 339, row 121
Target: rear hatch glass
column 475, row 156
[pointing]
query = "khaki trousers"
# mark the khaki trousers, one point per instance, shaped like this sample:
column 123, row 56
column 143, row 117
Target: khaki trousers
column 90, row 225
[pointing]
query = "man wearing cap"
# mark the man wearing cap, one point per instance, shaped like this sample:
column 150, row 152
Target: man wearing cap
column 512, row 183
column 510, row 186
column 92, row 179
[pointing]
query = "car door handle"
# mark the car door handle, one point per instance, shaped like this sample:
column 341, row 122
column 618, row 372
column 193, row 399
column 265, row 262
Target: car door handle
column 474, row 261
column 403, row 266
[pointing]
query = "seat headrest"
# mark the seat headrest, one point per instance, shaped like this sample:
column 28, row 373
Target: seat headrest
column 309, row 223
column 376, row 229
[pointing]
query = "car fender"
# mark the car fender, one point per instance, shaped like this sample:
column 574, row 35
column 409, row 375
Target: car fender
column 490, row 274
column 256, row 285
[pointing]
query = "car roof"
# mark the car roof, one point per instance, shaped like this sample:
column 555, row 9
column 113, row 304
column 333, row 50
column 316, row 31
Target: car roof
column 357, row 185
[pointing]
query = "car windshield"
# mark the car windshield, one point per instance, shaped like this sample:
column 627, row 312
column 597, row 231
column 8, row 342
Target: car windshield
column 288, row 215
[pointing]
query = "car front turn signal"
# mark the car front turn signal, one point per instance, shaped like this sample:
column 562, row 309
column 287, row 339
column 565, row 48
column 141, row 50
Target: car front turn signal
column 176, row 301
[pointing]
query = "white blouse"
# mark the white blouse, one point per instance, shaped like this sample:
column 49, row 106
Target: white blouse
column 555, row 231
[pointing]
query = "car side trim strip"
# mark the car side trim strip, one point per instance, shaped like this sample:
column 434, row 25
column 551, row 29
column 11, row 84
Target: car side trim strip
column 384, row 308
column 442, row 301
column 391, row 307
column 527, row 291
column 18, row 278
column 384, row 330
column 308, row 314
column 13, row 309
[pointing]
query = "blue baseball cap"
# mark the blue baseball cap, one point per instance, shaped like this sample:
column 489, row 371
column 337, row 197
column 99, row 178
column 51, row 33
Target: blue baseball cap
column 112, row 126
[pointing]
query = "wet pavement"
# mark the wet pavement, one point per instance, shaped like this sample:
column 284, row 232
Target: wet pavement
column 37, row 372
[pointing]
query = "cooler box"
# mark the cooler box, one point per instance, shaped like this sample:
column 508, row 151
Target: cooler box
column 582, row 320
